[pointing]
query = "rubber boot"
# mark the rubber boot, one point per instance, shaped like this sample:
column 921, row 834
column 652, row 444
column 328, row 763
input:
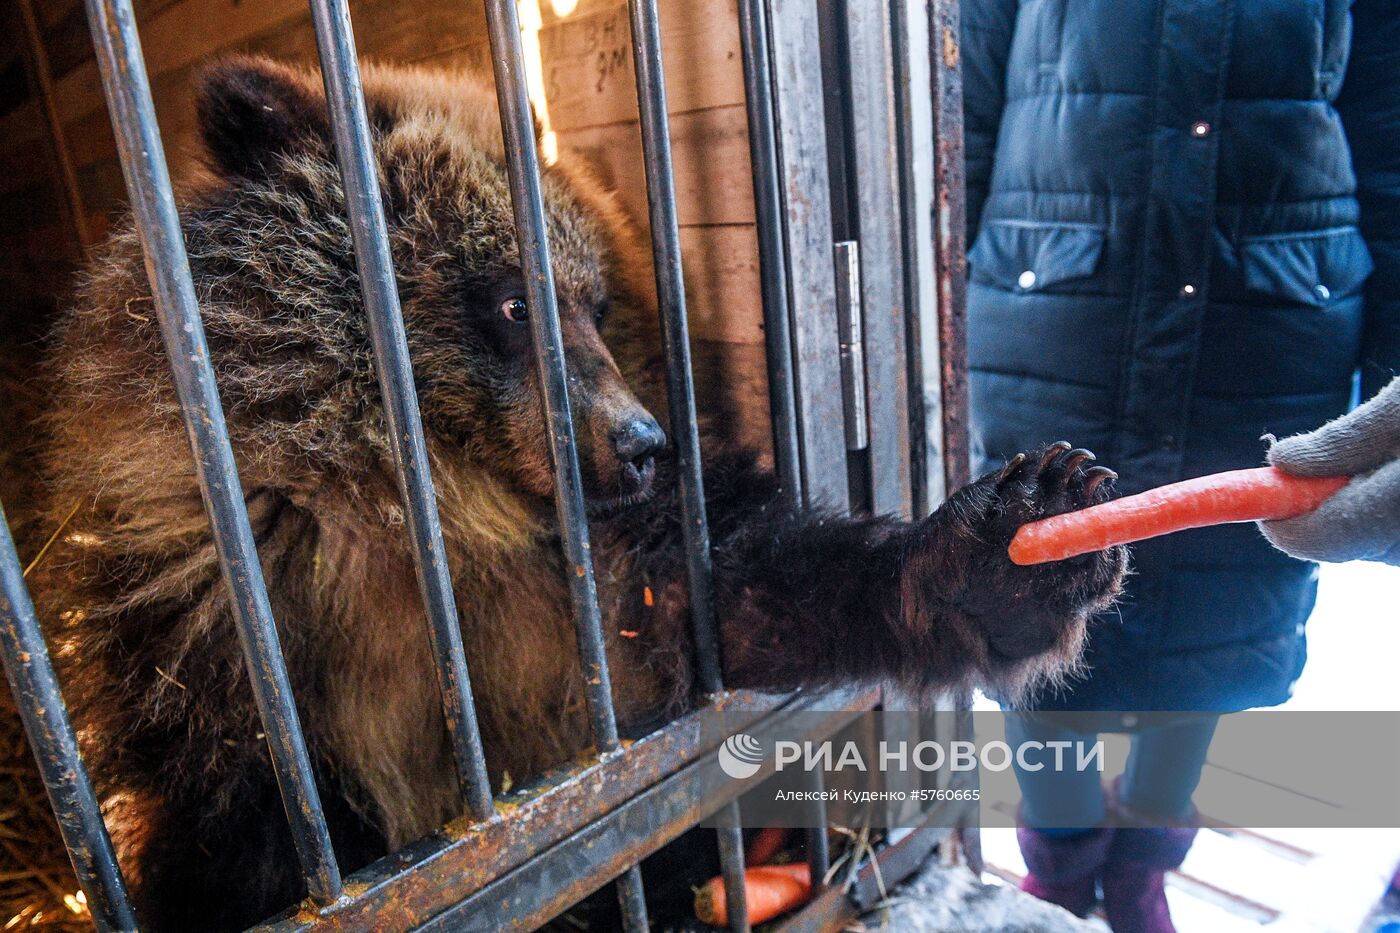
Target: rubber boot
column 1134, row 875
column 1064, row 870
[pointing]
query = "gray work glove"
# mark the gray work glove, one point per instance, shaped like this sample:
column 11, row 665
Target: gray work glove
column 1362, row 521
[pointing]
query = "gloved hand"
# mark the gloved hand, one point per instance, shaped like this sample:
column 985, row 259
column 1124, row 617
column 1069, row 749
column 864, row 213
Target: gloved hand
column 1362, row 521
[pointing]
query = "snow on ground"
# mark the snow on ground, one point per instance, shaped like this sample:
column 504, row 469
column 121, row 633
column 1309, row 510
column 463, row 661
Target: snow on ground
column 1353, row 641
column 1354, row 653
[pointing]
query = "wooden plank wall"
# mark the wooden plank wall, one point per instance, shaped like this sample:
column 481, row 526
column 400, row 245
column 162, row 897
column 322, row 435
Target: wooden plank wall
column 588, row 77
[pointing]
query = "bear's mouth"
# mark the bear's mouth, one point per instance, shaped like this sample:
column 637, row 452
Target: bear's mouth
column 601, row 508
column 635, row 484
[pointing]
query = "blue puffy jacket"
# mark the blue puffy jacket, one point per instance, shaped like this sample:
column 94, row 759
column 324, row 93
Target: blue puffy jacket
column 1186, row 223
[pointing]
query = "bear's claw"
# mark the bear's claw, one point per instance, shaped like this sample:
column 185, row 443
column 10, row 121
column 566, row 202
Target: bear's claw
column 1034, row 619
column 1012, row 466
column 1094, row 477
column 1051, row 454
column 1058, row 471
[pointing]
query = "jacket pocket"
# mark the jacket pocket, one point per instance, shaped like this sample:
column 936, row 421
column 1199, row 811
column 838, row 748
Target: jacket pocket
column 1029, row 256
column 1311, row 268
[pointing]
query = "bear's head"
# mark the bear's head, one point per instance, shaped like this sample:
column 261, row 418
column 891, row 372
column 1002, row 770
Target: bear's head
column 271, row 247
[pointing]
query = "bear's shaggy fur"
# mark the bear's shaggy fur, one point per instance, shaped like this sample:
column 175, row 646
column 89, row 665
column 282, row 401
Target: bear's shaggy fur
column 138, row 612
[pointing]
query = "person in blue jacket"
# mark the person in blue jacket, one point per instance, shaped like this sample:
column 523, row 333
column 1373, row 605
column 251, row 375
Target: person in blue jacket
column 1185, row 217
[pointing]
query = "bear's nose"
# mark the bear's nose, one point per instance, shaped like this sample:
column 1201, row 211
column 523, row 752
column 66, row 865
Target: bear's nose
column 637, row 441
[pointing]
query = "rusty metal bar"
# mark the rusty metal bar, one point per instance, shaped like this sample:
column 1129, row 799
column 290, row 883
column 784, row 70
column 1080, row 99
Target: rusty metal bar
column 675, row 335
column 335, row 42
column 55, row 747
column 548, row 884
column 680, row 390
column 157, row 221
column 950, row 263
column 950, row 235
column 527, row 201
column 408, row 887
column 632, row 899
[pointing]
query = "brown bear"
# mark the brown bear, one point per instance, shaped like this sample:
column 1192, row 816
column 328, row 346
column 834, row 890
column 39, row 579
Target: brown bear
column 138, row 613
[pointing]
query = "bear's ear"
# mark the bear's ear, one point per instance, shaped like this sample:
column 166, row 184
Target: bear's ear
column 251, row 110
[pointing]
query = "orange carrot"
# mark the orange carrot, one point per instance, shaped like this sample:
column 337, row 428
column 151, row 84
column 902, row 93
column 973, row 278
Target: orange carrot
column 765, row 844
column 771, row 890
column 1262, row 494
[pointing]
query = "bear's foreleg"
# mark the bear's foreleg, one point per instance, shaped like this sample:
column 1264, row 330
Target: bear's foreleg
column 813, row 598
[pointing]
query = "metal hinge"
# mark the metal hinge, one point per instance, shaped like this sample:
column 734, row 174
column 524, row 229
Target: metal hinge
column 848, row 321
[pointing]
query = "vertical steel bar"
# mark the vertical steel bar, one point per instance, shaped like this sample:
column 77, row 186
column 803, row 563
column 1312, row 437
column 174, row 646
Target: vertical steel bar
column 731, row 861
column 772, row 260
column 950, row 262
column 765, row 163
column 950, row 234
column 913, row 120
column 675, row 337
column 527, row 201
column 631, row 897
column 128, row 93
column 55, row 747
column 913, row 92
column 873, row 167
column 801, row 131
column 670, row 289
column 818, row 843
column 340, row 72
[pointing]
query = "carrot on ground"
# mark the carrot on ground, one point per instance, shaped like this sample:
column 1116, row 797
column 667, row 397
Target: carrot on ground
column 770, row 890
column 1262, row 494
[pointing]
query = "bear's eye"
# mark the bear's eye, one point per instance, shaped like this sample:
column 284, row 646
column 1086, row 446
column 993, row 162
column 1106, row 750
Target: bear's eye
column 515, row 310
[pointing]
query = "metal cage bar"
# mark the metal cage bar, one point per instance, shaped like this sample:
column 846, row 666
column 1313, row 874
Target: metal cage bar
column 680, row 391
column 913, row 83
column 768, row 220
column 950, row 236
column 340, row 72
column 950, row 263
column 675, row 333
column 794, row 38
column 55, row 747
column 408, row 887
column 873, row 176
column 128, row 92
column 527, row 202
column 764, row 161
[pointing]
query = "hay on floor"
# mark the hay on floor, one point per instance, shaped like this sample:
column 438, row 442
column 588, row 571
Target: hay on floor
column 37, row 887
